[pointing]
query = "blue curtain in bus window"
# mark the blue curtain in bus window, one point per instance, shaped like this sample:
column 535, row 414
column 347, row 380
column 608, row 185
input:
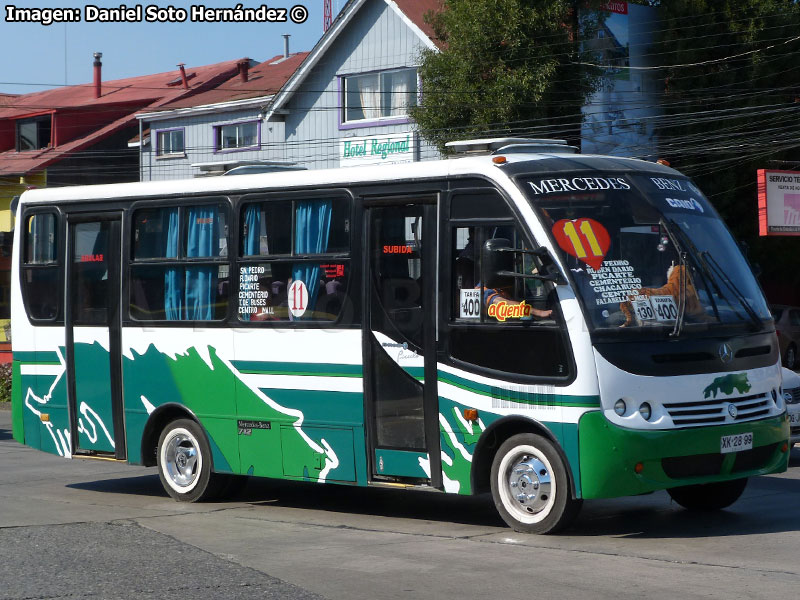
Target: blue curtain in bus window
column 252, row 227
column 312, row 228
column 202, row 239
column 173, row 298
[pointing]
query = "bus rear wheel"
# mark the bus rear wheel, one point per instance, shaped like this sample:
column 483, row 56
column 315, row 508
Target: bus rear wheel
column 530, row 486
column 709, row 496
column 184, row 462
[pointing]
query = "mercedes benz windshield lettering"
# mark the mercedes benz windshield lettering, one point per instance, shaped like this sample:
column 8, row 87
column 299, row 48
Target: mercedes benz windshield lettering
column 647, row 252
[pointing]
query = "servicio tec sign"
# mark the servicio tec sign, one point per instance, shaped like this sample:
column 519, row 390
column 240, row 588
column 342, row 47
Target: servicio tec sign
column 377, row 149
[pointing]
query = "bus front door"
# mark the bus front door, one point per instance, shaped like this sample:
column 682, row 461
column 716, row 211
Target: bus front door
column 400, row 341
column 93, row 335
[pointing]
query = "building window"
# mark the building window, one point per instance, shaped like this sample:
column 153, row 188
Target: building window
column 33, row 134
column 294, row 261
column 375, row 96
column 236, row 136
column 179, row 269
column 170, row 141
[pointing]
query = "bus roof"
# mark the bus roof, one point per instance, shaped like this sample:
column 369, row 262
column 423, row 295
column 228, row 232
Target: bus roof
column 454, row 167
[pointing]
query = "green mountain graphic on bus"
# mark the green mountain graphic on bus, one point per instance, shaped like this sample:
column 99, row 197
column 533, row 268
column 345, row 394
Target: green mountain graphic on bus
column 726, row 384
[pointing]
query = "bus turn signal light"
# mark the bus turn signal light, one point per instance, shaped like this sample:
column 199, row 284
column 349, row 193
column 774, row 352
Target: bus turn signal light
column 471, row 414
column 638, row 467
column 785, row 447
column 499, row 160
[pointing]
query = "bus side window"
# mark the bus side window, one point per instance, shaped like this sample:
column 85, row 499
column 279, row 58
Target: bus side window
column 179, row 269
column 500, row 322
column 294, row 260
column 483, row 289
column 40, row 270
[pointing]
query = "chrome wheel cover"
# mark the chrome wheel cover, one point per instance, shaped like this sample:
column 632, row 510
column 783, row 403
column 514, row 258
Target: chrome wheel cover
column 181, row 460
column 526, row 484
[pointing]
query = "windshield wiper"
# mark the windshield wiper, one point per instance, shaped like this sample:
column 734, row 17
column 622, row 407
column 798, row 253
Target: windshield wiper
column 674, row 231
column 706, row 256
column 676, row 330
column 705, row 262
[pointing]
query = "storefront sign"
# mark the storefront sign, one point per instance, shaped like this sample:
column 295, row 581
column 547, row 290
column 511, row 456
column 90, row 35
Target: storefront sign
column 778, row 202
column 377, row 149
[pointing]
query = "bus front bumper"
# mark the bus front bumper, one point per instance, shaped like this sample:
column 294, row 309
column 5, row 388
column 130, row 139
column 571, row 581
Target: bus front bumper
column 623, row 462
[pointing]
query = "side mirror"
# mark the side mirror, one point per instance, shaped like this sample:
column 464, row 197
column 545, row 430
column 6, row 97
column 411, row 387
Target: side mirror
column 498, row 264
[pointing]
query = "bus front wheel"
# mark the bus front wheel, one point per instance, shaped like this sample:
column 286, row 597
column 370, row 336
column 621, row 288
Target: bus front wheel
column 708, row 496
column 530, row 486
column 184, row 462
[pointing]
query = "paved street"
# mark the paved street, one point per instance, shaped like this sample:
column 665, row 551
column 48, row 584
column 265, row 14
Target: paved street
column 91, row 529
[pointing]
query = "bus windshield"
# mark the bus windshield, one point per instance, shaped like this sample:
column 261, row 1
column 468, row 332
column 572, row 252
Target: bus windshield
column 646, row 251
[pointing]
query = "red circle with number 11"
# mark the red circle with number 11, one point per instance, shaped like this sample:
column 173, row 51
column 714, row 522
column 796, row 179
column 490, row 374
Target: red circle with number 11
column 585, row 239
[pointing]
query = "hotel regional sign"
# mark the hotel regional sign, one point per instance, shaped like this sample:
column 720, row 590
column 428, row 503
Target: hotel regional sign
column 377, row 149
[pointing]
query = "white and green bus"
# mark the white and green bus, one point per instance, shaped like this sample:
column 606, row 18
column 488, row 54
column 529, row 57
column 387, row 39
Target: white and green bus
column 542, row 325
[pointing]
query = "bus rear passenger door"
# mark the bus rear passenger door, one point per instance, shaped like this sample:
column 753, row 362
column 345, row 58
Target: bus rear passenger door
column 93, row 335
column 400, row 341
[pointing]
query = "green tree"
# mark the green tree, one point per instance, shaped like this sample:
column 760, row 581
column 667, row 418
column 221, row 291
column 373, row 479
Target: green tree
column 505, row 67
column 731, row 106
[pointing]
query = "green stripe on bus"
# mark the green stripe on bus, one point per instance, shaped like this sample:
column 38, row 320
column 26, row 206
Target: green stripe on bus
column 254, row 367
column 533, row 398
column 37, row 357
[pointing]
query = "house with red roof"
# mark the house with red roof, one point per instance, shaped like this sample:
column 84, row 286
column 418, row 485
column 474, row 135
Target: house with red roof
column 216, row 130
column 325, row 108
column 79, row 134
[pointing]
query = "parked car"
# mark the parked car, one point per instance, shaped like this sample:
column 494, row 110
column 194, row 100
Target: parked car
column 787, row 324
column 791, row 395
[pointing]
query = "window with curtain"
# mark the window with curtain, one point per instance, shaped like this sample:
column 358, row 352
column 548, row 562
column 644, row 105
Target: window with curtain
column 40, row 269
column 294, row 263
column 374, row 96
column 236, row 136
column 179, row 269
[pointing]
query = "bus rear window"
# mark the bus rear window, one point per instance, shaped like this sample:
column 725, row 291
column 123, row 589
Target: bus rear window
column 40, row 271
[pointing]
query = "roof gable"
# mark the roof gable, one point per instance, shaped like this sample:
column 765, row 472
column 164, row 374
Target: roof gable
column 411, row 11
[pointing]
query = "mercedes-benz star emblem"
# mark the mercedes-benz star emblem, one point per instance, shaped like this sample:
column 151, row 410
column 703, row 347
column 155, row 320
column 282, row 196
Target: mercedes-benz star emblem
column 732, row 411
column 725, row 353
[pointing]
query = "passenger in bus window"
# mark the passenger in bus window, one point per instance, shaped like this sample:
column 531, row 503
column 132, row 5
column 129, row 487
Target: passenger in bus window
column 500, row 298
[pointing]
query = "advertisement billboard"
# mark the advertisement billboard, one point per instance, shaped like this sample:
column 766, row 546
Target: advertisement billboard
column 778, row 202
column 619, row 118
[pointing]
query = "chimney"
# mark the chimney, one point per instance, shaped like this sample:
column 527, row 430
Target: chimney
column 244, row 66
column 98, row 69
column 285, row 45
column 185, row 81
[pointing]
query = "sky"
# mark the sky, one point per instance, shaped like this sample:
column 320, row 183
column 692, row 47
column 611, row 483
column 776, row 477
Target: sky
column 37, row 57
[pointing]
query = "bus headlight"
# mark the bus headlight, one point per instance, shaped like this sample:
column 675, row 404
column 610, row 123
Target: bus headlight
column 620, row 407
column 645, row 410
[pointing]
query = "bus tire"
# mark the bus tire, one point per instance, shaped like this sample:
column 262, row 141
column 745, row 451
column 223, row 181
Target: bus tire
column 530, row 486
column 708, row 496
column 184, row 462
